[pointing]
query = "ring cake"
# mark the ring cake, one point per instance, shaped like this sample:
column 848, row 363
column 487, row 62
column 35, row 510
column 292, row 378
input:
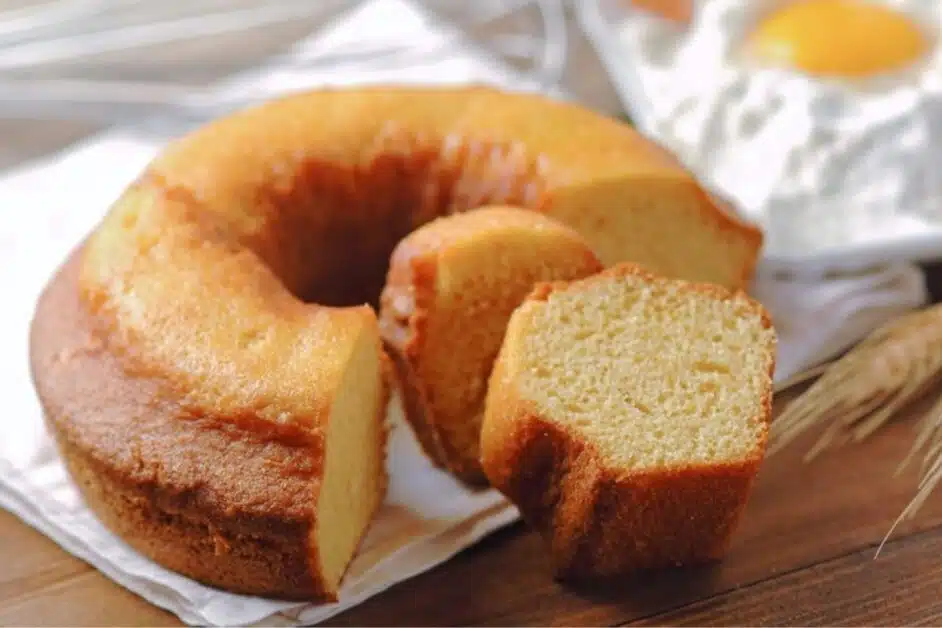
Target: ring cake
column 209, row 360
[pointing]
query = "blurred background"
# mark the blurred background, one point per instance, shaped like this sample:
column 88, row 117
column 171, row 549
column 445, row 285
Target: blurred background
column 821, row 120
column 69, row 68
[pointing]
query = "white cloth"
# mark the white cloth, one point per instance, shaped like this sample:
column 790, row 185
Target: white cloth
column 818, row 319
column 427, row 518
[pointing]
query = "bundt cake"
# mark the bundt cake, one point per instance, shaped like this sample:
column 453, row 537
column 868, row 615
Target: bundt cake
column 206, row 358
column 451, row 287
column 627, row 417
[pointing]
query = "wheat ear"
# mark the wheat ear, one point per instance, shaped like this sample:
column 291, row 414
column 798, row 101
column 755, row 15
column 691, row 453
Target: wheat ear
column 864, row 389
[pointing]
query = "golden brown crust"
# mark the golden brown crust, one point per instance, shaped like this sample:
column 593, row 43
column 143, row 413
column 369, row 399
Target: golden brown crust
column 410, row 301
column 598, row 521
column 406, row 300
column 217, row 503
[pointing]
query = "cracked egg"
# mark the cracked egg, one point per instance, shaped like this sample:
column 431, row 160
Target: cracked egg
column 821, row 120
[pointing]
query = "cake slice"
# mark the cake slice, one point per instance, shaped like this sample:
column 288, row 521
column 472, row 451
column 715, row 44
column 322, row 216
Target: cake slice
column 627, row 417
column 451, row 288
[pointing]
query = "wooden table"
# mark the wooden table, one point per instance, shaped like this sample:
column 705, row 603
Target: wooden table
column 804, row 554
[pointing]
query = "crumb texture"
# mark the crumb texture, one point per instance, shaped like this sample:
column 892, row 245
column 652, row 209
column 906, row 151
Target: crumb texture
column 650, row 372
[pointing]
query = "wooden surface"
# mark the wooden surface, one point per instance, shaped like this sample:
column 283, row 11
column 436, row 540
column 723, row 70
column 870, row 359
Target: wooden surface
column 804, row 555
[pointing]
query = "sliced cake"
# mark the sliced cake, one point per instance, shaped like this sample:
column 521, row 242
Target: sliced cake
column 627, row 416
column 451, row 288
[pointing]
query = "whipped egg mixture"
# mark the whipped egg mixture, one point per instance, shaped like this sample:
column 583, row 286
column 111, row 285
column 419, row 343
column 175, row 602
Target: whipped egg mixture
column 821, row 119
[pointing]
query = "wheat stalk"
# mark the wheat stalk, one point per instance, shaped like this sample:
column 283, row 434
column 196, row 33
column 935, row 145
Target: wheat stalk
column 864, row 389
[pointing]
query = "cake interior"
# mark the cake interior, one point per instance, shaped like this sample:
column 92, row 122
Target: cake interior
column 353, row 481
column 653, row 374
column 493, row 259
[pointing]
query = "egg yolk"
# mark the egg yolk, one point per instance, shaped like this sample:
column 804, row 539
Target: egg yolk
column 847, row 38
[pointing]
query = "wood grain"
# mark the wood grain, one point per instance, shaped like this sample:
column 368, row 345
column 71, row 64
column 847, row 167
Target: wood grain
column 901, row 588
column 803, row 555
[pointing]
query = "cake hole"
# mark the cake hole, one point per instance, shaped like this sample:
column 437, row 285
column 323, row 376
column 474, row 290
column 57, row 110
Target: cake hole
column 330, row 229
